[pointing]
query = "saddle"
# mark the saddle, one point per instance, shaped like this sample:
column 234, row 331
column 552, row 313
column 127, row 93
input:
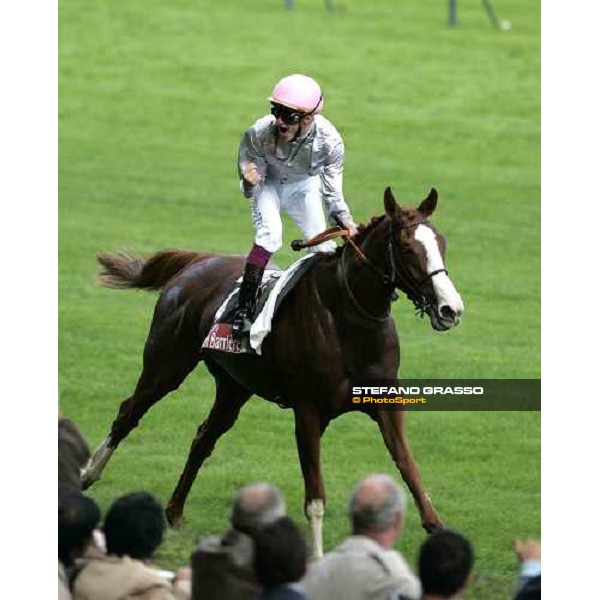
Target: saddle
column 274, row 288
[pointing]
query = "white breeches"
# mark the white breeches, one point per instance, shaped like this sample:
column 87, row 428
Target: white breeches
column 301, row 201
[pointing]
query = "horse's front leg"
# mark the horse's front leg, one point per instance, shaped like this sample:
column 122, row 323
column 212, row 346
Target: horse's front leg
column 309, row 428
column 393, row 430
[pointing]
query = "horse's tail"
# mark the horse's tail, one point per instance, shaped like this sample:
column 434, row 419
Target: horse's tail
column 127, row 270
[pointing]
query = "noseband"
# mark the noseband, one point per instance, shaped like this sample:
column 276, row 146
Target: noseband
column 399, row 275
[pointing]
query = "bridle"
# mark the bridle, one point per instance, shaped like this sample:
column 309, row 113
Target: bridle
column 399, row 276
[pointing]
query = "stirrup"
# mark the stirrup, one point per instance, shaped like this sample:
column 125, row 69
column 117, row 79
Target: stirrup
column 242, row 322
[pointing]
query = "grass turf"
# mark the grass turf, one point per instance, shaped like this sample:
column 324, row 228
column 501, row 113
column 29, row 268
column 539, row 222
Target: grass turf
column 153, row 99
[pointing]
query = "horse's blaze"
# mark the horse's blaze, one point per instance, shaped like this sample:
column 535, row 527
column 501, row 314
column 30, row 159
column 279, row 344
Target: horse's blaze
column 444, row 289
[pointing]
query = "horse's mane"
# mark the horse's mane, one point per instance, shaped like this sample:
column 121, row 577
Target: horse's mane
column 364, row 230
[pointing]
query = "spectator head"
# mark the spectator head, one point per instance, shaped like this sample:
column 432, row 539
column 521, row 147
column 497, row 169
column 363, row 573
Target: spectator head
column 134, row 526
column 376, row 506
column 532, row 590
column 256, row 505
column 445, row 562
column 281, row 553
column 78, row 516
column 73, row 453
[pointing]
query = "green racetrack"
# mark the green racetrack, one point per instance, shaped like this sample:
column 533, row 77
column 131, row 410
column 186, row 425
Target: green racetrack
column 153, row 99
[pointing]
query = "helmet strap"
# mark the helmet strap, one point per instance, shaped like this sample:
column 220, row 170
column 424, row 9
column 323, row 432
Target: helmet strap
column 316, row 107
column 308, row 114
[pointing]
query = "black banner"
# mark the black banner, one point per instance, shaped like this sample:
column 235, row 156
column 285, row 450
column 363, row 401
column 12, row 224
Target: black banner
column 448, row 394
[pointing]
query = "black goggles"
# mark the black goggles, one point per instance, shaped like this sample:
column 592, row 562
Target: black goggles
column 288, row 115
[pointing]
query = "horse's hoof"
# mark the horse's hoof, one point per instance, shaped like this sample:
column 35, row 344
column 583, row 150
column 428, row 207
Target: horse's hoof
column 173, row 516
column 432, row 526
column 87, row 480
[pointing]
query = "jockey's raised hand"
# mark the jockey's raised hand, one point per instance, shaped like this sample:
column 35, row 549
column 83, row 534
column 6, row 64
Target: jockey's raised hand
column 251, row 174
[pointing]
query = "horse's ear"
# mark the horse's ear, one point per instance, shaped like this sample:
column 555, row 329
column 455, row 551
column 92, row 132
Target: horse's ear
column 428, row 205
column 391, row 207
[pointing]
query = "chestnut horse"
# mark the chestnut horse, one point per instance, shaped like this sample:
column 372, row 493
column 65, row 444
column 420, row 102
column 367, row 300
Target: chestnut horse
column 334, row 327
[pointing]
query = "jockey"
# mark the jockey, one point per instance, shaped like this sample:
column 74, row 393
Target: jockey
column 291, row 159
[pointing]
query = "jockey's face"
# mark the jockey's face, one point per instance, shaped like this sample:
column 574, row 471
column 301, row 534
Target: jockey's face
column 287, row 131
column 289, row 121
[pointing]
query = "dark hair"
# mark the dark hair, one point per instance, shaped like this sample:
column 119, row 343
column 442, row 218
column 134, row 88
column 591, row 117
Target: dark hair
column 445, row 561
column 78, row 516
column 532, row 590
column 280, row 553
column 134, row 525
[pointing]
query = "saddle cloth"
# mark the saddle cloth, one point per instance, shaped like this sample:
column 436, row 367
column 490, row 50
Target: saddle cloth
column 274, row 287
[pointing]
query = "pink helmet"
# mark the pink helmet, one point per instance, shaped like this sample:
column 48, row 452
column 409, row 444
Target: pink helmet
column 298, row 92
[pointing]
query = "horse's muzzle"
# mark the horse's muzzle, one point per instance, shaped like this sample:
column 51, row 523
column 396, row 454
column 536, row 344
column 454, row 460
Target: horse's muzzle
column 444, row 317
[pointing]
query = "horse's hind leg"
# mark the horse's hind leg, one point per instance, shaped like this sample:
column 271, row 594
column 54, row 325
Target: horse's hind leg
column 150, row 389
column 166, row 365
column 230, row 397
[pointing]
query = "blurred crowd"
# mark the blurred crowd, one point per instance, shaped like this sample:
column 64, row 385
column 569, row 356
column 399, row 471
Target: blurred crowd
column 263, row 555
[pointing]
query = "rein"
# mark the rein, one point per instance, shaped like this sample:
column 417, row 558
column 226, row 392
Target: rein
column 353, row 299
column 324, row 236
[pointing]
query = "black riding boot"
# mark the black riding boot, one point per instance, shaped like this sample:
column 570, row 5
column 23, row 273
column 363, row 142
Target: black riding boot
column 242, row 319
